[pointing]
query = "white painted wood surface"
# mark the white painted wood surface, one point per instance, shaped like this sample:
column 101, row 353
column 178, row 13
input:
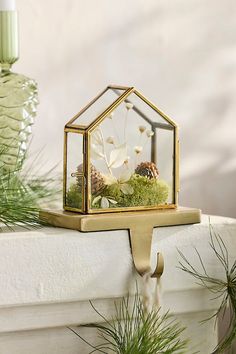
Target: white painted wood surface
column 48, row 276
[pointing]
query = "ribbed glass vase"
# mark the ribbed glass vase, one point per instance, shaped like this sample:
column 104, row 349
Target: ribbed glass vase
column 18, row 98
column 18, row 102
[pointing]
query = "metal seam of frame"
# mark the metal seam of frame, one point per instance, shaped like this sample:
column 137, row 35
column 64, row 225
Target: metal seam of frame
column 118, row 87
column 86, row 107
column 75, row 126
column 87, row 165
column 111, row 108
column 79, row 132
column 177, row 156
column 176, row 166
column 117, row 210
column 74, row 130
column 64, row 169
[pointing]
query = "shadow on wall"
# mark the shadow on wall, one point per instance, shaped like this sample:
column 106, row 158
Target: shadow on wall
column 209, row 160
column 210, row 191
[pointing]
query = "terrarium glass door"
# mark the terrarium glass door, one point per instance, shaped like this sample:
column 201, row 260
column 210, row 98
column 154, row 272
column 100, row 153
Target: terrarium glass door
column 74, row 180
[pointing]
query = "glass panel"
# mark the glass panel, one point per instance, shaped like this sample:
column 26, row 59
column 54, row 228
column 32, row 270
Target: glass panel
column 131, row 161
column 74, row 178
column 147, row 111
column 164, row 159
column 98, row 107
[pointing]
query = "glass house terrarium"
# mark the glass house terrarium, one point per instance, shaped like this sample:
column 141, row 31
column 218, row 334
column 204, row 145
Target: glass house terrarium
column 120, row 154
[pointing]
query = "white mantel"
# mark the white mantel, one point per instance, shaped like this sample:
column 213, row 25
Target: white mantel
column 48, row 276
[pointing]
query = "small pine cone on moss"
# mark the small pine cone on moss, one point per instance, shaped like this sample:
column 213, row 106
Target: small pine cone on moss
column 147, row 169
column 97, row 181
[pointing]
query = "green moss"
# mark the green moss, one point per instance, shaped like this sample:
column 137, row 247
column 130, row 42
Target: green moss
column 147, row 192
column 74, row 197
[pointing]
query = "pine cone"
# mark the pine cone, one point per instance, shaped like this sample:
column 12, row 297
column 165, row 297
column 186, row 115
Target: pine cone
column 97, row 181
column 147, row 169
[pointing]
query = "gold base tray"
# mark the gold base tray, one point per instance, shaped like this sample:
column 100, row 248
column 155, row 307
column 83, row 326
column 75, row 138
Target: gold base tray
column 119, row 221
column 140, row 225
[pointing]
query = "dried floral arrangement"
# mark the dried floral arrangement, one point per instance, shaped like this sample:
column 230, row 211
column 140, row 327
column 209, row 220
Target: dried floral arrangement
column 125, row 180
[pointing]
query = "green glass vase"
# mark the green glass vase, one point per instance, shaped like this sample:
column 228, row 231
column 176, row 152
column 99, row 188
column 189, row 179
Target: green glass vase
column 18, row 98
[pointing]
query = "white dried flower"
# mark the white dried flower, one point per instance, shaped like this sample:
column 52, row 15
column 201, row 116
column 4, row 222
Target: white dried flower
column 127, row 160
column 96, row 200
column 138, row 149
column 110, row 140
column 126, row 189
column 96, row 137
column 110, row 115
column 129, row 105
column 142, row 128
column 104, row 203
column 109, row 179
column 118, row 156
column 149, row 133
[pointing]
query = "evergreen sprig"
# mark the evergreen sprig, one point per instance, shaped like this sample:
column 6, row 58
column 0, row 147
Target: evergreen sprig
column 221, row 288
column 133, row 331
column 22, row 194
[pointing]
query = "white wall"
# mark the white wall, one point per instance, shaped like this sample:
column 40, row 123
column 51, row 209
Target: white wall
column 181, row 54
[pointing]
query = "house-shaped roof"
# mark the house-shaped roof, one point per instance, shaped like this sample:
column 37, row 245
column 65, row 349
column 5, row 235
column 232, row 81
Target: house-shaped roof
column 109, row 99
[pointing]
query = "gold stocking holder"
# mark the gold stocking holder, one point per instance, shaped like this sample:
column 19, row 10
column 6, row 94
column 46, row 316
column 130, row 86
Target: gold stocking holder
column 140, row 226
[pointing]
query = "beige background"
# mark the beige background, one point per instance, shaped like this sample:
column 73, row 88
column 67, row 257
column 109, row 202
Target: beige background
column 180, row 53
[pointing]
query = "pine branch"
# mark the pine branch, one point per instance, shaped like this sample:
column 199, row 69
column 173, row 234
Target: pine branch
column 22, row 194
column 134, row 331
column 223, row 288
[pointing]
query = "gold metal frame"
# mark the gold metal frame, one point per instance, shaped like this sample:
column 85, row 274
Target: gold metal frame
column 71, row 127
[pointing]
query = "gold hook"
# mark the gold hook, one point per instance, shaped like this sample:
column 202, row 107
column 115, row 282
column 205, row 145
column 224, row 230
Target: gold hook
column 141, row 245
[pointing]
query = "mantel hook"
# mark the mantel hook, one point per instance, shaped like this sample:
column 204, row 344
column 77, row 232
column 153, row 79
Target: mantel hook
column 141, row 245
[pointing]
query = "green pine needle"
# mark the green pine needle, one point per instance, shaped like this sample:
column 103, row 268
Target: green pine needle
column 133, row 331
column 221, row 288
column 22, row 195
